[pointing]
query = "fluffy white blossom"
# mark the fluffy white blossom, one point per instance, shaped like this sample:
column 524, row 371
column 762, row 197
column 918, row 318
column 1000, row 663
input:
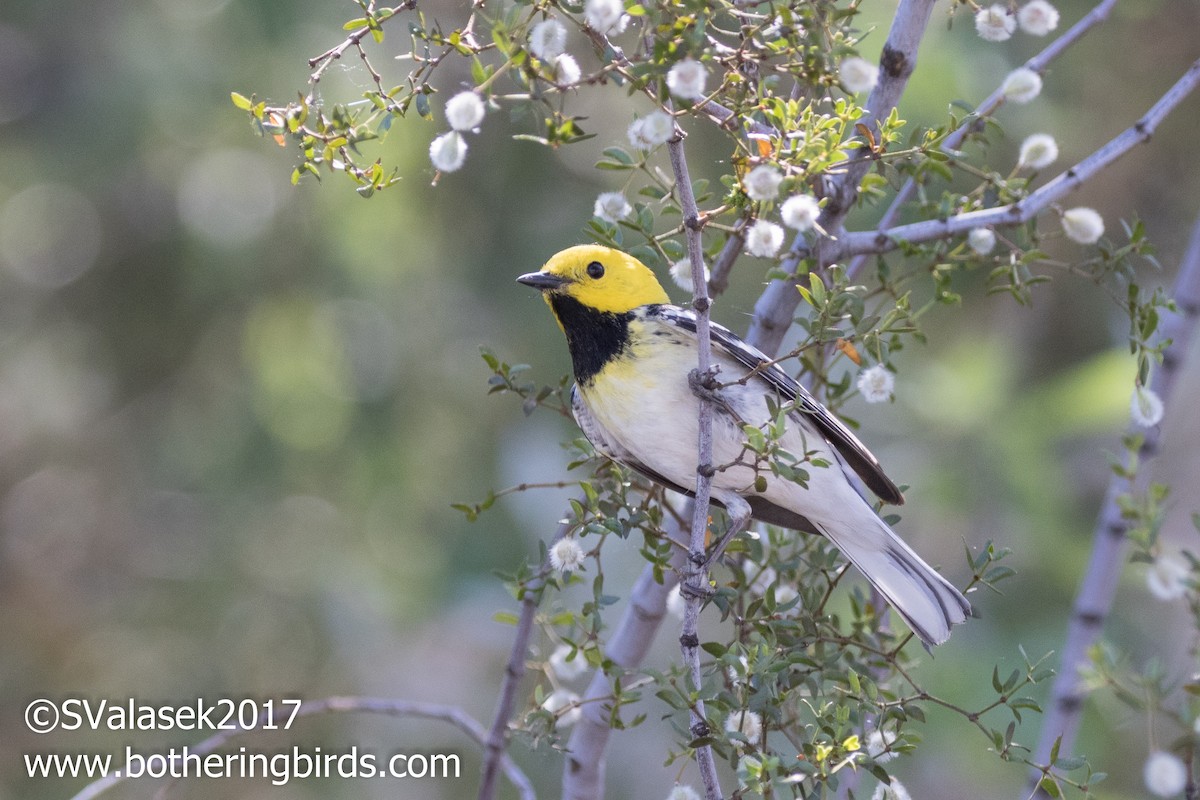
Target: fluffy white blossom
column 675, row 603
column 1022, row 85
column 448, row 151
column 566, row 555
column 800, row 211
column 548, row 39
column 606, row 16
column 762, row 182
column 981, row 240
column 566, row 70
column 612, row 206
column 764, row 239
column 785, row 594
column 565, row 706
column 683, row 792
column 1146, row 407
column 1167, row 577
column 564, row 669
column 876, row 384
column 891, row 791
column 1038, row 151
column 878, row 742
column 1165, row 774
column 681, row 274
column 858, row 75
column 1083, row 225
column 464, row 111
column 994, row 23
column 648, row 132
column 686, row 79
column 1037, row 17
column 748, row 723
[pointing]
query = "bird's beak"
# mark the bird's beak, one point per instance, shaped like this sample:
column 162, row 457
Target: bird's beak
column 543, row 281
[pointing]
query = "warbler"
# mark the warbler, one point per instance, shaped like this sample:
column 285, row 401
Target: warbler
column 632, row 353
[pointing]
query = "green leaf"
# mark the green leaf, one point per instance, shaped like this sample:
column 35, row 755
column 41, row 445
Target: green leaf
column 505, row 617
column 241, row 101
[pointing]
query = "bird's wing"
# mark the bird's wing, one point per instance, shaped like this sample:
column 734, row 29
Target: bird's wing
column 607, row 444
column 855, row 453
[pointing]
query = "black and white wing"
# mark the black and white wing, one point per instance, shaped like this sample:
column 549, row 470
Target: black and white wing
column 854, row 452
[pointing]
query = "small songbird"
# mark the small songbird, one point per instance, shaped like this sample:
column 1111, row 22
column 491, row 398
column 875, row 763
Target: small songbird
column 632, row 353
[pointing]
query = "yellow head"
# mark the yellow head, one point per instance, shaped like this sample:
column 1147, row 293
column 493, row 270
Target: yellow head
column 599, row 278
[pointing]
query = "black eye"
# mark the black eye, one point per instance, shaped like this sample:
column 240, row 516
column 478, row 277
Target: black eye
column 595, row 270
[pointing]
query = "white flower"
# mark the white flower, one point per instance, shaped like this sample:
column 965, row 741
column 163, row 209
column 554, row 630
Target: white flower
column 1038, row 17
column 878, row 742
column 893, row 791
column 686, row 79
column 994, row 23
column 681, row 273
column 764, row 239
column 464, row 111
column 876, row 384
column 981, row 240
column 564, row 669
column 548, row 39
column 566, row 70
column 448, row 151
column 566, row 554
column 1022, row 85
column 1146, row 407
column 858, row 74
column 748, row 723
column 607, row 17
column 1083, row 225
column 675, row 603
column 1038, row 151
column 611, row 207
column 648, row 132
column 683, row 792
column 1167, row 577
column 762, row 182
column 565, row 706
column 1165, row 774
column 785, row 594
column 800, row 211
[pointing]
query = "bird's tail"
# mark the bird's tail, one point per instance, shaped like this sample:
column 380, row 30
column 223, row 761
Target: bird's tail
column 926, row 600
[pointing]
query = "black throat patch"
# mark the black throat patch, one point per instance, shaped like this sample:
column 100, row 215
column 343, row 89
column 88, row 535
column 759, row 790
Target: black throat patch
column 593, row 337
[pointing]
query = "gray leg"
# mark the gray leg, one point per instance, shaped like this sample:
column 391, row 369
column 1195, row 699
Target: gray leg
column 739, row 518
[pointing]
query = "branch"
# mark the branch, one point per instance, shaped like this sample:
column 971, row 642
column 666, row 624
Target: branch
column 396, row 708
column 583, row 778
column 882, row 241
column 321, row 62
column 988, row 107
column 695, row 578
column 776, row 306
column 1095, row 598
column 514, row 671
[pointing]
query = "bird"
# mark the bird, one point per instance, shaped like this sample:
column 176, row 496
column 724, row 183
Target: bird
column 632, row 353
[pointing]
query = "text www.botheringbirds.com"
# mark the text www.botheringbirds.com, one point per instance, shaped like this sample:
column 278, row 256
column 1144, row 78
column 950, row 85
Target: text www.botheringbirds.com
column 280, row 767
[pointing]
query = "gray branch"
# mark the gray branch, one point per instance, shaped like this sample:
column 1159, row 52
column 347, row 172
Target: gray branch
column 777, row 305
column 497, row 737
column 1109, row 545
column 989, row 106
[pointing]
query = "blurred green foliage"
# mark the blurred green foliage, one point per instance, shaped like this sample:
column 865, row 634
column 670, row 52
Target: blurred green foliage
column 234, row 413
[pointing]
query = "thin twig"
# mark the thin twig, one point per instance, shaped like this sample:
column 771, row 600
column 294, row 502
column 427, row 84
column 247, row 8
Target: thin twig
column 695, row 578
column 994, row 101
column 329, row 705
column 514, row 671
column 1109, row 543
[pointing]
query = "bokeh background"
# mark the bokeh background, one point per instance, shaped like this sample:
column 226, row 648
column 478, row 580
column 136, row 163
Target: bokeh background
column 234, row 413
